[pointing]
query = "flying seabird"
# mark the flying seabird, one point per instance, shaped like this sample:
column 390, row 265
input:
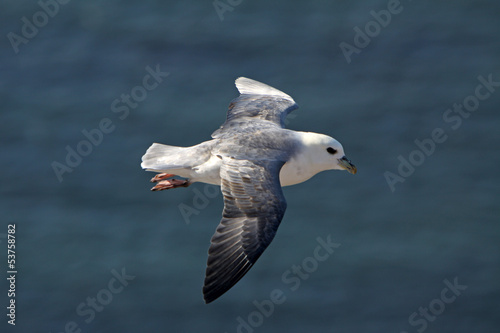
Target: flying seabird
column 251, row 156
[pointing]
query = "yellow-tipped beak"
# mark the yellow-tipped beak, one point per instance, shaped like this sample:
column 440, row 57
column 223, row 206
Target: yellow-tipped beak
column 346, row 164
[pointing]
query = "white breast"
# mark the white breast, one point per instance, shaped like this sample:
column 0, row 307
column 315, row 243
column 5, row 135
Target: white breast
column 296, row 170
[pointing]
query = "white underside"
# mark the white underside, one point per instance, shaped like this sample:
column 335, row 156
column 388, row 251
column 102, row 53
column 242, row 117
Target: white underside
column 300, row 168
column 293, row 172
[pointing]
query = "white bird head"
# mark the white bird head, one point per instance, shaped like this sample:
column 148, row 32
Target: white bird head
column 326, row 153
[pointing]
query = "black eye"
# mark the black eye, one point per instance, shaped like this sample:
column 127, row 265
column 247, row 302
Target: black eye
column 331, row 150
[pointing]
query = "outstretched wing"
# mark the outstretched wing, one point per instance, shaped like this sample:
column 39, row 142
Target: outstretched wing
column 257, row 101
column 253, row 208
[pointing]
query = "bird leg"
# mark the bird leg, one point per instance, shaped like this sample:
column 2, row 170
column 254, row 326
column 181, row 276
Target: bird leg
column 161, row 176
column 165, row 184
column 170, row 183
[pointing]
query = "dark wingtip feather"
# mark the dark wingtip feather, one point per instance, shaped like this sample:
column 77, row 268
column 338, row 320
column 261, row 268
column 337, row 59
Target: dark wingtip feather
column 218, row 282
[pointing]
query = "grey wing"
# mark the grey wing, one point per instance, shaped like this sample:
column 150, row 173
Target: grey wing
column 257, row 101
column 254, row 206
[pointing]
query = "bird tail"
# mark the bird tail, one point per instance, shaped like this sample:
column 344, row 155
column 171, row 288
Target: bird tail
column 164, row 158
column 161, row 157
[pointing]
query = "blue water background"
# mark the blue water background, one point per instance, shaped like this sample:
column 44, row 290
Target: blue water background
column 396, row 247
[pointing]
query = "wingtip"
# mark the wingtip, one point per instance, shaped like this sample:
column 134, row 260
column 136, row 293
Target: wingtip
column 208, row 299
column 253, row 87
column 211, row 294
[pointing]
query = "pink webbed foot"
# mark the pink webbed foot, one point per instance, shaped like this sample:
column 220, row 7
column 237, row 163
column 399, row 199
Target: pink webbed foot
column 161, row 176
column 170, row 183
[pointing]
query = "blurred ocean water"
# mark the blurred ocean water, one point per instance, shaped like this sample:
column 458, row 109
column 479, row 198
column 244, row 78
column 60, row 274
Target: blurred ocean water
column 96, row 251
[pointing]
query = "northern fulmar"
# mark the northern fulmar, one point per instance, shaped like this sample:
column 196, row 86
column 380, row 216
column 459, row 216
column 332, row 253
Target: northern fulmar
column 251, row 156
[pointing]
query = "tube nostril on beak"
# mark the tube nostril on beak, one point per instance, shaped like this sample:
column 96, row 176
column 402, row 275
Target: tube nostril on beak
column 347, row 165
